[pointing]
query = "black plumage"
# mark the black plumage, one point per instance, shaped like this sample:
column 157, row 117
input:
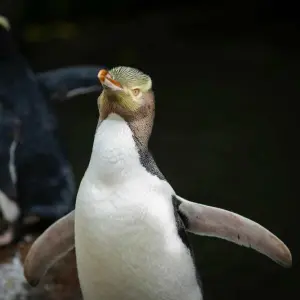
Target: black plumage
column 45, row 184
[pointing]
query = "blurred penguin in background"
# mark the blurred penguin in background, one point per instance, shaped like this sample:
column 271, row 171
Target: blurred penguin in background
column 37, row 184
column 9, row 208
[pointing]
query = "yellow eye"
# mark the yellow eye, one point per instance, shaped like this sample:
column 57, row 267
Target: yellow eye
column 136, row 92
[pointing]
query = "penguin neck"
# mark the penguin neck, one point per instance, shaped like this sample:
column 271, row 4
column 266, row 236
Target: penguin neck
column 141, row 129
column 117, row 148
column 140, row 122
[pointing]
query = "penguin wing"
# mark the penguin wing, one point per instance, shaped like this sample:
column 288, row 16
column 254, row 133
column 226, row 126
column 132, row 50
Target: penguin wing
column 216, row 222
column 49, row 247
column 182, row 225
column 64, row 83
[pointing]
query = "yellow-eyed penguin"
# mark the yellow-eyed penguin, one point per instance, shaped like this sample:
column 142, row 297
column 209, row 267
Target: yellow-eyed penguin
column 130, row 225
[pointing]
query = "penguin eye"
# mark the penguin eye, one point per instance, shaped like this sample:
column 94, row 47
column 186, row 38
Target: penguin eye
column 136, row 92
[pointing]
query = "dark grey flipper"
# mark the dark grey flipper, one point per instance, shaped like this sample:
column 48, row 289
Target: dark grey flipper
column 64, row 83
column 52, row 245
column 211, row 221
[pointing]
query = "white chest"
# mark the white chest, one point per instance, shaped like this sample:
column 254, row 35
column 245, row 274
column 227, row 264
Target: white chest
column 127, row 244
column 114, row 155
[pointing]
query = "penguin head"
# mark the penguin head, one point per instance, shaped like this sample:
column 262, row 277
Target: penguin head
column 4, row 23
column 8, row 47
column 126, row 91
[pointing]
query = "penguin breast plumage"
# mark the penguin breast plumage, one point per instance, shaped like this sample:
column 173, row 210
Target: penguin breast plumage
column 126, row 239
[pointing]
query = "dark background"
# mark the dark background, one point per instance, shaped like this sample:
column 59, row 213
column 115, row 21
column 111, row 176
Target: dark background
column 226, row 78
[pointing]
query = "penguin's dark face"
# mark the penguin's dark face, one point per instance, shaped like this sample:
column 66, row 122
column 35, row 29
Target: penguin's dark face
column 127, row 92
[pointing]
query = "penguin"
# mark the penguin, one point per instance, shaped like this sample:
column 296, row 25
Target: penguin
column 9, row 138
column 69, row 82
column 129, row 227
column 45, row 188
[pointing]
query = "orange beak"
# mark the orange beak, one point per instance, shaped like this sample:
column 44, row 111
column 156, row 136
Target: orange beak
column 106, row 81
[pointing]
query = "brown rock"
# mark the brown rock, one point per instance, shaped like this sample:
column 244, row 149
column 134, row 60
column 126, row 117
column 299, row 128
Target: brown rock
column 61, row 282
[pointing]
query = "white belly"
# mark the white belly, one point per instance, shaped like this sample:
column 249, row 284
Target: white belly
column 127, row 245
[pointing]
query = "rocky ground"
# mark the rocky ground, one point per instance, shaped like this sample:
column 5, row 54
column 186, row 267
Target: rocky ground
column 60, row 284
